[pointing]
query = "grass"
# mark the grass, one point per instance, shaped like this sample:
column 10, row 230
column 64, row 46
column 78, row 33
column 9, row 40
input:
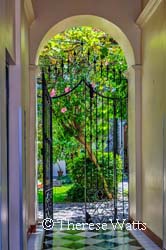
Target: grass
column 125, row 192
column 59, row 193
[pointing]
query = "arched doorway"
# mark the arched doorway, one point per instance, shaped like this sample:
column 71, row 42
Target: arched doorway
column 130, row 44
column 86, row 20
column 97, row 123
column 134, row 91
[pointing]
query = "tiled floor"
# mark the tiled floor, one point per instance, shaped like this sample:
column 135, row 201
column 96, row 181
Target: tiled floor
column 147, row 243
column 90, row 240
column 35, row 240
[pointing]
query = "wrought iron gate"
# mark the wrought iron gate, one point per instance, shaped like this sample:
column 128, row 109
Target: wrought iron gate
column 47, row 151
column 103, row 137
column 104, row 148
column 105, row 180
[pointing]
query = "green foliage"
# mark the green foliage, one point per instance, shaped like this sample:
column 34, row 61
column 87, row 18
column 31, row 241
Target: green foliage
column 40, row 196
column 40, row 172
column 76, row 193
column 59, row 193
column 76, row 168
column 83, row 172
column 79, row 48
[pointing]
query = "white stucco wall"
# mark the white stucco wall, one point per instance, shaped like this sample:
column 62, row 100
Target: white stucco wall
column 121, row 13
column 6, row 36
column 132, row 145
column 25, row 100
column 48, row 13
column 14, row 39
column 153, row 110
column 144, row 2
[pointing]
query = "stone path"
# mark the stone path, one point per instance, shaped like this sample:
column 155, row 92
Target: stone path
column 101, row 211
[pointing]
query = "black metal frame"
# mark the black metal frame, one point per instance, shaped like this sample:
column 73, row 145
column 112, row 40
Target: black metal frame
column 47, row 151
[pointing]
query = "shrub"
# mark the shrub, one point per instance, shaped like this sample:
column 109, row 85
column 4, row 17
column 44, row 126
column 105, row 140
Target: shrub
column 79, row 169
column 65, row 179
column 76, row 193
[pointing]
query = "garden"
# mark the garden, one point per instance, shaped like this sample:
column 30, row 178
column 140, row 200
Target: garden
column 86, row 73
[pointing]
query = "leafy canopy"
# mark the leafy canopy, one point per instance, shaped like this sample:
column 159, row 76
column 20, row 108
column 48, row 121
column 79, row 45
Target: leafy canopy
column 88, row 54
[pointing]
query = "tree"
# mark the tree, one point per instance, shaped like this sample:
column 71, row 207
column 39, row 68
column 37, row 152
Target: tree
column 91, row 60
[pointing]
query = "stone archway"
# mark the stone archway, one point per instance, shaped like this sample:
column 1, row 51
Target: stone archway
column 134, row 91
column 93, row 21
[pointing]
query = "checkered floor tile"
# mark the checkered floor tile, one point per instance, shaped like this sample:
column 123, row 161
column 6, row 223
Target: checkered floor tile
column 90, row 240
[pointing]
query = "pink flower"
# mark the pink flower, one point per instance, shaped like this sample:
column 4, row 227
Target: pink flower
column 63, row 110
column 52, row 93
column 93, row 85
column 67, row 89
column 106, row 63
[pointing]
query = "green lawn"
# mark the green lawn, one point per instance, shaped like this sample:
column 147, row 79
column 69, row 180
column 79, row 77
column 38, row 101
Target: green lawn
column 59, row 193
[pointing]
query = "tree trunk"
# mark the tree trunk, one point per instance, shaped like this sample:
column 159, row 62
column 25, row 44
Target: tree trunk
column 73, row 126
column 81, row 139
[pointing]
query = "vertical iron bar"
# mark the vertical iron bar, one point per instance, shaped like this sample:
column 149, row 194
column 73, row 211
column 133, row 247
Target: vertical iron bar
column 97, row 139
column 62, row 65
column 101, row 69
column 82, row 46
column 75, row 56
column 94, row 65
column 88, row 57
column 91, row 135
column 55, row 72
column 85, row 164
column 108, row 138
column 103, row 138
column 44, row 146
column 47, row 150
column 114, row 157
column 51, row 159
column 126, row 100
column 122, row 154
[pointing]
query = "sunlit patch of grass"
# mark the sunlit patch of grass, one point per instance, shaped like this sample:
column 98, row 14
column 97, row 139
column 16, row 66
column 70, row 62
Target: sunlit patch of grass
column 59, row 193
